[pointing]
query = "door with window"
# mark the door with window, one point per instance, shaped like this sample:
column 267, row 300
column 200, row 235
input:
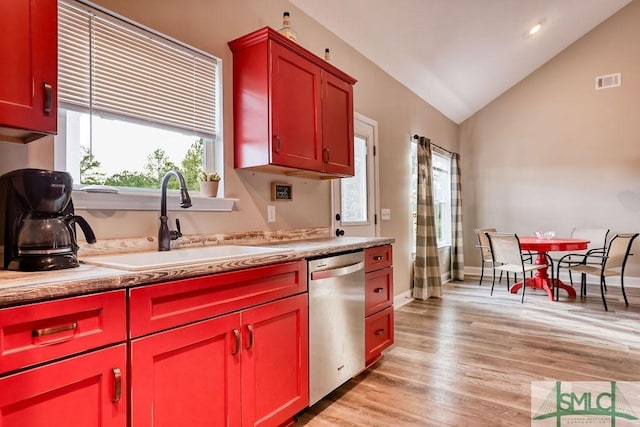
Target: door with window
column 355, row 199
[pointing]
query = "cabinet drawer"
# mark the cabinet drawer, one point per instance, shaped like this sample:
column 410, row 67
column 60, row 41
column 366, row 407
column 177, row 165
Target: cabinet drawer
column 377, row 257
column 378, row 333
column 378, row 290
column 35, row 333
column 166, row 305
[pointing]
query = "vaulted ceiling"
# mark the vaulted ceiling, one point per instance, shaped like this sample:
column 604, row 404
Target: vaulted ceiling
column 458, row 55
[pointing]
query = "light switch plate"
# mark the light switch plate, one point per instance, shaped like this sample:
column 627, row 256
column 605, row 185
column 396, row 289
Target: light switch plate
column 386, row 214
column 271, row 214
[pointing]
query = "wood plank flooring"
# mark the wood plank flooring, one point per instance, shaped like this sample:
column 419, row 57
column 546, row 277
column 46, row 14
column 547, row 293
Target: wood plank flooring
column 469, row 358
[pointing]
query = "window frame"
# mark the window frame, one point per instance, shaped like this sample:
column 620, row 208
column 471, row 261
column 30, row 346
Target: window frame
column 441, row 243
column 132, row 198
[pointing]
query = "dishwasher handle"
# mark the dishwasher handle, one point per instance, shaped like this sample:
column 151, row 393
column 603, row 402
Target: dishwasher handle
column 336, row 272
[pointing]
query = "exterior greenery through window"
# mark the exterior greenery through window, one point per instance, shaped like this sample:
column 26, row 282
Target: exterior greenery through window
column 441, row 195
column 133, row 103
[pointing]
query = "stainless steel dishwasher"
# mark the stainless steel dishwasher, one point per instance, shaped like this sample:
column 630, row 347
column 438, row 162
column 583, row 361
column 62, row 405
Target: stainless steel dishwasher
column 336, row 322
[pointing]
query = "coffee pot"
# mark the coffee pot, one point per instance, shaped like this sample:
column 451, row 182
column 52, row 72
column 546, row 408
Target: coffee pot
column 37, row 221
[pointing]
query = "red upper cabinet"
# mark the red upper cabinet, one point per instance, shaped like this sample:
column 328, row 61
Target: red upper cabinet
column 28, row 77
column 293, row 111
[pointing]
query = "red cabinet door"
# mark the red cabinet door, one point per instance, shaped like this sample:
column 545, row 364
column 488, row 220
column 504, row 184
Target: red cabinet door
column 28, row 75
column 296, row 136
column 275, row 361
column 82, row 391
column 188, row 376
column 337, row 125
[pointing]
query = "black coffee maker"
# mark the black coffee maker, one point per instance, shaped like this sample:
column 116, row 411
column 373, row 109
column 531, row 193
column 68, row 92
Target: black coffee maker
column 37, row 221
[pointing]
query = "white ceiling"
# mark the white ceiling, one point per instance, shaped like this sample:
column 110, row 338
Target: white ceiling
column 458, row 55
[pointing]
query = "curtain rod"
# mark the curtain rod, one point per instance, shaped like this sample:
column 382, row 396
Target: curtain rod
column 442, row 148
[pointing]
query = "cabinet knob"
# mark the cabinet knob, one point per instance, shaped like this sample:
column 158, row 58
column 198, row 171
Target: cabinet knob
column 379, row 332
column 378, row 258
column 378, row 290
column 325, row 155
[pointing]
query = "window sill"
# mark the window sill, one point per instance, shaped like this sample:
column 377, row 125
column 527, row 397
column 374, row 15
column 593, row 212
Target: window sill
column 147, row 202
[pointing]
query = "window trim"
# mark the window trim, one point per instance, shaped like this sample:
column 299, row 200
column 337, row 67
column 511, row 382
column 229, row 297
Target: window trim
column 148, row 201
column 141, row 199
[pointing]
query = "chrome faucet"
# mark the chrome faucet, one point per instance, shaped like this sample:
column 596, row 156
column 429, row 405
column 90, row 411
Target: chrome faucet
column 165, row 236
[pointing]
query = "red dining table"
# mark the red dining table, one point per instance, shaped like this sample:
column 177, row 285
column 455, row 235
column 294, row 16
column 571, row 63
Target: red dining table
column 541, row 280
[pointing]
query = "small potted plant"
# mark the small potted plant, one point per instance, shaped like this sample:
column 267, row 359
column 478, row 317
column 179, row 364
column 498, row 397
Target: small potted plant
column 209, row 183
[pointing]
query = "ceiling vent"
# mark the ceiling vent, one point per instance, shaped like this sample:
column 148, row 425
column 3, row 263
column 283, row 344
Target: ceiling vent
column 608, row 81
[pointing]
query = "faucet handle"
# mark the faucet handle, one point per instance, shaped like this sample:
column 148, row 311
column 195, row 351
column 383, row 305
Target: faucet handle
column 178, row 227
column 175, row 234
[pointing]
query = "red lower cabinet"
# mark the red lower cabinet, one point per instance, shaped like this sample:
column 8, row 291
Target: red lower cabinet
column 275, row 362
column 188, row 376
column 379, row 331
column 248, row 368
column 82, row 391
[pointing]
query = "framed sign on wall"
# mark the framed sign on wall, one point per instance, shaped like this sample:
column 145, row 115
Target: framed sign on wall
column 281, row 191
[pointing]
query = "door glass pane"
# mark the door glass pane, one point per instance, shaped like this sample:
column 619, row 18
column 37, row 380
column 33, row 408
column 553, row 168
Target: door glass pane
column 354, row 189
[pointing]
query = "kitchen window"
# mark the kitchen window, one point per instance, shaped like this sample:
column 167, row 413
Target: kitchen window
column 133, row 104
column 441, row 186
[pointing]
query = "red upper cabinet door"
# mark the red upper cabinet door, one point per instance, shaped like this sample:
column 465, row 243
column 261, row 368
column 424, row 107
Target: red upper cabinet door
column 337, row 125
column 275, row 362
column 296, row 139
column 82, row 391
column 292, row 111
column 28, row 76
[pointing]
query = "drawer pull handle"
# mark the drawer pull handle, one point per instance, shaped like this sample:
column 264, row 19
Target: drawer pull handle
column 379, row 331
column 250, row 329
column 117, row 384
column 236, row 349
column 378, row 258
column 378, row 290
column 55, row 330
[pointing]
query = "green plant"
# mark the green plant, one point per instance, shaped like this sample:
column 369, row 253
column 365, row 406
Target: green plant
column 204, row 176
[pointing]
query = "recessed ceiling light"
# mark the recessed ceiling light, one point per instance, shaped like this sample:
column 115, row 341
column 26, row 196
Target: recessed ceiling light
column 535, row 29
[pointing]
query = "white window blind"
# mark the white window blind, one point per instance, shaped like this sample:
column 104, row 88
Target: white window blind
column 114, row 68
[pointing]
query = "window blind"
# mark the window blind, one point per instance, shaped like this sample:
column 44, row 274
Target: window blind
column 112, row 67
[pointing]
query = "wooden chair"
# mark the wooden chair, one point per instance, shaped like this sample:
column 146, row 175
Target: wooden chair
column 507, row 256
column 612, row 263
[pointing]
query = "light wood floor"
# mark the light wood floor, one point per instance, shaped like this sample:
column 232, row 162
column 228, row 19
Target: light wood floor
column 469, row 358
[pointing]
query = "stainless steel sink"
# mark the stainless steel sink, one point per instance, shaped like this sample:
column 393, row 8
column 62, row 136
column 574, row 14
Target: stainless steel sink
column 151, row 260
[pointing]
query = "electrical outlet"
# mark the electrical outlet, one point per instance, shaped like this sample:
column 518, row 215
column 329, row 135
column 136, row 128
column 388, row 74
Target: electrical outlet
column 386, row 214
column 271, row 214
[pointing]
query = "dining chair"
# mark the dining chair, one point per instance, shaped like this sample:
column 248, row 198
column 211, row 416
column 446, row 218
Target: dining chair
column 507, row 256
column 482, row 243
column 597, row 245
column 612, row 263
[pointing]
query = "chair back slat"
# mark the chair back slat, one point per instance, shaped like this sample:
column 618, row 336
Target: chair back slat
column 483, row 241
column 618, row 250
column 597, row 236
column 505, row 248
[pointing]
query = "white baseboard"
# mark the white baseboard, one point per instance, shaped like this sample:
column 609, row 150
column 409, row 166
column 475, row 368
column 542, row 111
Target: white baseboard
column 629, row 282
column 402, row 299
